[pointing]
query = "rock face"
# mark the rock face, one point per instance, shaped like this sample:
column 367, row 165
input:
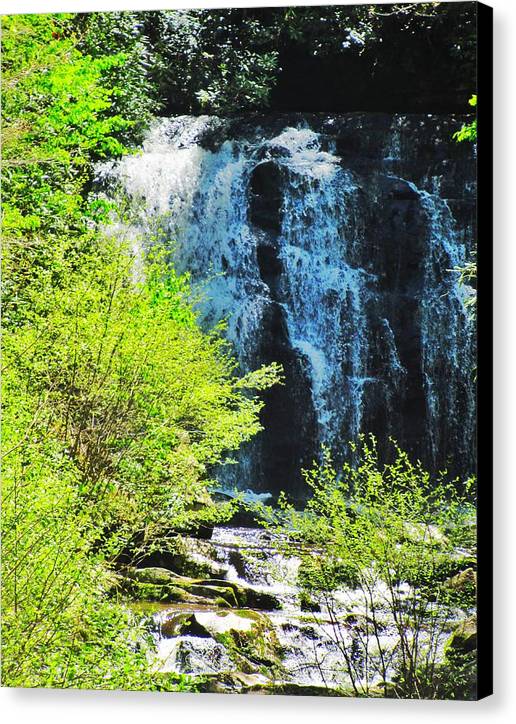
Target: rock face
column 159, row 584
column 328, row 242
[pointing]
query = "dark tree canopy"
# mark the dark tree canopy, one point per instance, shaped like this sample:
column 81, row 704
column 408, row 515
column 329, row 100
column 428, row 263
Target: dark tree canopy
column 403, row 58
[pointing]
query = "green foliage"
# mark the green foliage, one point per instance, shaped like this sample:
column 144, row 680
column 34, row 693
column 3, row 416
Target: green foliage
column 217, row 62
column 59, row 629
column 116, row 404
column 134, row 95
column 468, row 132
column 138, row 394
column 232, row 60
column 116, row 407
column 54, row 121
column 386, row 534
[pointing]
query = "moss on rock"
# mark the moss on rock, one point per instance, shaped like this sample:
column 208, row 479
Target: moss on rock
column 248, row 636
column 464, row 638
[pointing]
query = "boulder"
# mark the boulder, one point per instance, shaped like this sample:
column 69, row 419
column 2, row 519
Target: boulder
column 249, row 636
column 203, row 656
column 155, row 575
column 463, row 582
column 246, row 596
column 254, row 598
column 364, row 624
column 197, row 558
column 464, row 638
column 182, row 624
column 452, row 563
column 236, row 682
column 186, row 556
column 160, row 584
column 308, row 603
column 291, row 689
column 177, row 590
column 211, row 592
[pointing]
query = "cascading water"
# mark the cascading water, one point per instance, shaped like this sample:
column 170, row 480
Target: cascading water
column 314, row 641
column 328, row 244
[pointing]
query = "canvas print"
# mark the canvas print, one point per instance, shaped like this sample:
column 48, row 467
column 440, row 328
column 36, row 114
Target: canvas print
column 240, row 366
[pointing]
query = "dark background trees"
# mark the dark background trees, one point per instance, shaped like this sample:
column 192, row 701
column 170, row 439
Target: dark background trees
column 416, row 57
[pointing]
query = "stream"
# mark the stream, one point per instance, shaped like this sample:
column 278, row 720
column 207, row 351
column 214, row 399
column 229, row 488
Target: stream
column 308, row 648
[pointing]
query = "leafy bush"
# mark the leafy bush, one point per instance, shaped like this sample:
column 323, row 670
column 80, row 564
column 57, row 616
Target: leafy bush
column 234, row 60
column 115, row 406
column 134, row 94
column 58, row 627
column 468, row 132
column 375, row 543
column 55, row 121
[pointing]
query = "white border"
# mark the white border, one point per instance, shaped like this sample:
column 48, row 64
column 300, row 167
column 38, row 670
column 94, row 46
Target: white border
column 60, row 707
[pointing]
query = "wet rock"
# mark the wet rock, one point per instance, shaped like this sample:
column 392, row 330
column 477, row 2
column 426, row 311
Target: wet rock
column 195, row 557
column 182, row 624
column 194, row 656
column 397, row 188
column 309, row 632
column 364, row 624
column 240, row 683
column 265, row 205
column 158, row 576
column 215, row 593
column 250, row 681
column 463, row 582
column 291, row 689
column 160, row 584
column 464, row 638
column 254, row 598
column 248, row 636
column 237, row 682
column 307, row 603
column 245, row 596
column 179, row 590
column 185, row 555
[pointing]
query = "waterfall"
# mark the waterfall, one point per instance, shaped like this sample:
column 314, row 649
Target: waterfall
column 328, row 244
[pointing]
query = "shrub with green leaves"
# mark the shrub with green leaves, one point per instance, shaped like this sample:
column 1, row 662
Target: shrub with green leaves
column 55, row 111
column 468, row 132
column 116, row 405
column 59, row 628
column 377, row 543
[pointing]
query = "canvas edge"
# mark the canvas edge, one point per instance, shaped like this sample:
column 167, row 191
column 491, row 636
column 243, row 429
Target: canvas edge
column 485, row 351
